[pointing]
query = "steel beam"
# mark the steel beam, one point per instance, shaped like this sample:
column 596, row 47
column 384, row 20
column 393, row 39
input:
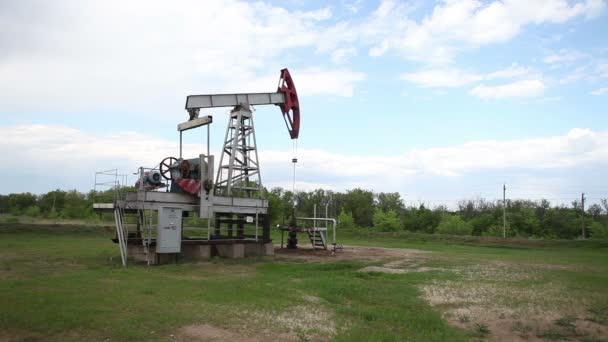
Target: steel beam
column 197, row 122
column 231, row 100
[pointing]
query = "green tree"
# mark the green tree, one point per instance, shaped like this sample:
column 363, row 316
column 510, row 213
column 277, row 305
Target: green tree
column 53, row 199
column 346, row 221
column 598, row 231
column 32, row 211
column 389, row 201
column 453, row 225
column 17, row 203
column 481, row 224
column 275, row 205
column 386, row 221
column 523, row 222
column 361, row 204
column 420, row 219
column 76, row 206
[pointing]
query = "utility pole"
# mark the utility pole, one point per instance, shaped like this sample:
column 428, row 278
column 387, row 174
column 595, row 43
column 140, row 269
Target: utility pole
column 504, row 210
column 583, row 214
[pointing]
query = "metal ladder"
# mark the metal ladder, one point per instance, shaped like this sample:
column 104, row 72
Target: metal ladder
column 146, row 227
column 120, row 234
column 318, row 237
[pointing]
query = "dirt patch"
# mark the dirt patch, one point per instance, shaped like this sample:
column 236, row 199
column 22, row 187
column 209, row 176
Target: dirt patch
column 350, row 253
column 391, row 270
column 307, row 320
column 411, row 264
column 207, row 332
column 310, row 322
column 512, row 302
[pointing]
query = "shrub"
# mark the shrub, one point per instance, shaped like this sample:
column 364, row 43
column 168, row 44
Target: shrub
column 345, row 220
column 598, row 231
column 453, row 225
column 32, row 211
column 386, row 221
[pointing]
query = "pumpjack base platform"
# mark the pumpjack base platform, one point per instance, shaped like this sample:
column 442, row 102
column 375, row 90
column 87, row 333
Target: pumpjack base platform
column 203, row 251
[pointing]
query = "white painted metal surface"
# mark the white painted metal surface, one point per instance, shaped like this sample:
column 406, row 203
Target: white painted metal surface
column 230, row 100
column 169, row 230
column 196, row 122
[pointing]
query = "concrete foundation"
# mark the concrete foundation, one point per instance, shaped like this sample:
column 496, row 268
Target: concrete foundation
column 233, row 251
column 201, row 252
column 269, row 249
column 137, row 253
column 196, row 252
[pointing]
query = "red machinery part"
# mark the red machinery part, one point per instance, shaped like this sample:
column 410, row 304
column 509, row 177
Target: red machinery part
column 191, row 186
column 291, row 106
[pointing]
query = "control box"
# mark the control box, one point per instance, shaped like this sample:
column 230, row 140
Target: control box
column 169, row 230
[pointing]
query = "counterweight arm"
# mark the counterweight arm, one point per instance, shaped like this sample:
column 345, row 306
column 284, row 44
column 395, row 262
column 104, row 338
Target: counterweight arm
column 231, row 100
column 286, row 97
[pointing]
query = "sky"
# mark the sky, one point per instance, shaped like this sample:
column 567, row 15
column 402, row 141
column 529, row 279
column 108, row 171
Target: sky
column 439, row 101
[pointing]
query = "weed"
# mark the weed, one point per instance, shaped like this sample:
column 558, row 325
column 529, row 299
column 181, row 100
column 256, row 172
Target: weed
column 567, row 322
column 481, row 329
column 302, row 336
column 521, row 328
column 12, row 220
column 599, row 314
column 551, row 334
column 592, row 339
column 463, row 319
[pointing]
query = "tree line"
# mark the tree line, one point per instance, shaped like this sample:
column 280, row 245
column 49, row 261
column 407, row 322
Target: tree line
column 361, row 209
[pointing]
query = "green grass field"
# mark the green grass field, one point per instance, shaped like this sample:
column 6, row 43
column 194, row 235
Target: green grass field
column 66, row 283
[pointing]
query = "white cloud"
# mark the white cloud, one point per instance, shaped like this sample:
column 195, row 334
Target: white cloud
column 320, row 14
column 337, row 82
column 602, row 70
column 341, row 55
column 600, row 91
column 146, row 56
column 563, row 55
column 525, row 88
column 319, row 81
column 457, row 24
column 60, row 156
column 454, row 77
column 442, row 77
column 577, row 74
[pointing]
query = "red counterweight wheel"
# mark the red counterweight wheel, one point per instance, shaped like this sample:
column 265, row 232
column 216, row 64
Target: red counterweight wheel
column 165, row 167
column 291, row 107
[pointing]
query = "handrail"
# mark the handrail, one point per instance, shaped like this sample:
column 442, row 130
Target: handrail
column 334, row 224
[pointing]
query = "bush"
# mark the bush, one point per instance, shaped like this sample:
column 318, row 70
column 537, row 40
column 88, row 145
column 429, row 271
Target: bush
column 497, row 230
column 421, row 219
column 453, row 225
column 386, row 221
column 32, row 211
column 598, row 231
column 346, row 220
column 483, row 224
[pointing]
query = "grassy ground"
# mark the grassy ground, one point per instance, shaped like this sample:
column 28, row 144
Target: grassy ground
column 60, row 283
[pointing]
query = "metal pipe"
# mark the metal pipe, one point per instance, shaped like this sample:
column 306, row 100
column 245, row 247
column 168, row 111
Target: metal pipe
column 256, row 225
column 180, row 144
column 208, row 224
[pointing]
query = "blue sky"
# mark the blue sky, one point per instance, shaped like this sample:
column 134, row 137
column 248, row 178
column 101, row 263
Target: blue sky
column 436, row 100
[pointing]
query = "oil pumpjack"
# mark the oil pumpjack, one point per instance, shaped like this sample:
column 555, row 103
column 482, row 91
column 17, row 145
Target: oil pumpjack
column 149, row 221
